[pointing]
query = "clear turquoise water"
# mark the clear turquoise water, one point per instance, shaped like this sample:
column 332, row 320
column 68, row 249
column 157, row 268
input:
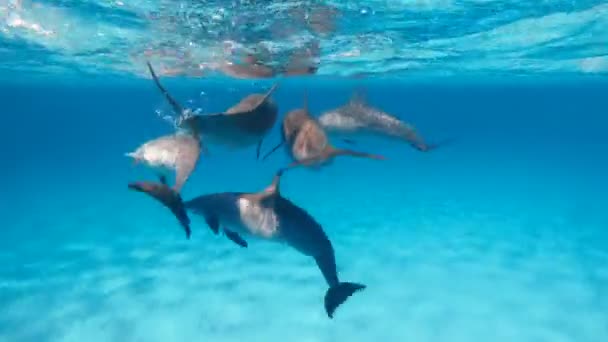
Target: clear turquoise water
column 500, row 236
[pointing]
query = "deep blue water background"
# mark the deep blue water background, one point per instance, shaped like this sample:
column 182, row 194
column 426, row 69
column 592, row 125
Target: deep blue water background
column 520, row 195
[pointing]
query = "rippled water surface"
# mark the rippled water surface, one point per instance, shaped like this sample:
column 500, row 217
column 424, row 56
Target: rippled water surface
column 396, row 37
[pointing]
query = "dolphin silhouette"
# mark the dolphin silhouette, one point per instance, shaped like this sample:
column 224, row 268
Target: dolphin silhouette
column 357, row 118
column 267, row 215
column 242, row 125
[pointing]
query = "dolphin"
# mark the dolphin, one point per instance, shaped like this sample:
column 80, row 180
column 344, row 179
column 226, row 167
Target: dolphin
column 357, row 118
column 307, row 142
column 179, row 152
column 267, row 215
column 244, row 124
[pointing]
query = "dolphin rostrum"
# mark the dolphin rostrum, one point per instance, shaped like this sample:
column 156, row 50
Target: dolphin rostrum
column 267, row 215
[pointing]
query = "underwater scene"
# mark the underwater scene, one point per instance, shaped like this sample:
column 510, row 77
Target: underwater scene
column 380, row 170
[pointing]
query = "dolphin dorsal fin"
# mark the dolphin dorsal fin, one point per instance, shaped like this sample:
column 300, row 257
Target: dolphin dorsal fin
column 270, row 192
column 275, row 187
column 358, row 97
column 273, row 191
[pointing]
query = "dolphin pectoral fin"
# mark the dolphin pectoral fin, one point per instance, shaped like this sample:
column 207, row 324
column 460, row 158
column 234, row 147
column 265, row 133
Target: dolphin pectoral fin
column 273, row 150
column 258, row 149
column 214, row 223
column 162, row 179
column 235, row 237
column 338, row 294
column 349, row 141
column 334, row 152
column 430, row 147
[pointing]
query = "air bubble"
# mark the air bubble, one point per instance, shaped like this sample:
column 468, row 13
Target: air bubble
column 365, row 10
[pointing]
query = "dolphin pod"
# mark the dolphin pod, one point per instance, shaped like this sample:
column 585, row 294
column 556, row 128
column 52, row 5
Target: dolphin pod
column 264, row 215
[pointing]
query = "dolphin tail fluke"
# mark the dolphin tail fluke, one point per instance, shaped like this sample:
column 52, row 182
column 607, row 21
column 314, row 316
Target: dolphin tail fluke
column 338, row 294
column 271, row 90
column 177, row 108
column 169, row 198
column 182, row 217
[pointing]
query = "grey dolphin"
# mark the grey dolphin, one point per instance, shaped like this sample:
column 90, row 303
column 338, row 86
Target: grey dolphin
column 242, row 125
column 307, row 142
column 179, row 152
column 359, row 118
column 267, row 215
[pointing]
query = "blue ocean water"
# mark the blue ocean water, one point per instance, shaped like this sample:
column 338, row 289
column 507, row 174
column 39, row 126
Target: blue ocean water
column 501, row 235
